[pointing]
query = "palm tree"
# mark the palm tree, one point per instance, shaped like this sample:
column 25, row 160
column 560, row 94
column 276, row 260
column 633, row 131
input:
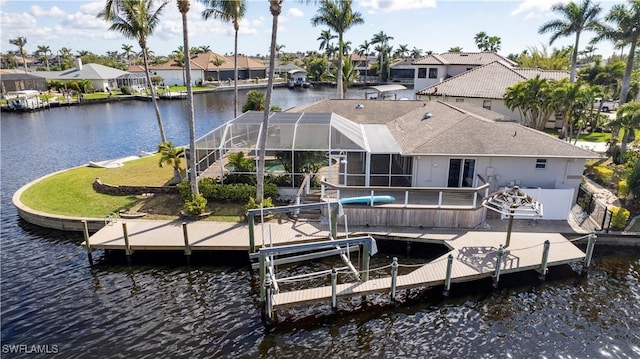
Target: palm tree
column 255, row 101
column 576, row 18
column 533, row 99
column 21, row 42
column 183, row 7
column 416, row 53
column 363, row 50
column 339, row 17
column 43, row 51
column 402, row 51
column 128, row 51
column 170, row 155
column 568, row 97
column 627, row 119
column 381, row 39
column 626, row 30
column 325, row 39
column 180, row 60
column 217, row 62
column 136, row 19
column 455, row 49
column 228, row 11
column 349, row 74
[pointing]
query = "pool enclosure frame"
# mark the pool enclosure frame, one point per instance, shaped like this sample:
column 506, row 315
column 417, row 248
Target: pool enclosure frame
column 359, row 155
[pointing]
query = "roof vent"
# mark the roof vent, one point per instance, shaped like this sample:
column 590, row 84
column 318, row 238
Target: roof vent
column 359, row 106
column 426, row 116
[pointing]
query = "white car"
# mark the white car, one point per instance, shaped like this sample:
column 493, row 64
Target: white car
column 605, row 106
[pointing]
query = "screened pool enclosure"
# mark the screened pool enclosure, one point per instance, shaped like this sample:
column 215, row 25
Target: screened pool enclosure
column 353, row 154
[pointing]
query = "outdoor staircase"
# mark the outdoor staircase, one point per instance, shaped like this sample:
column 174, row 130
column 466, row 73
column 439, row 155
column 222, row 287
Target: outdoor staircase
column 311, row 215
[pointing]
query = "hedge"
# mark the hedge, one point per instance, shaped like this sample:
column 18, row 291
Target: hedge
column 236, row 192
column 619, row 217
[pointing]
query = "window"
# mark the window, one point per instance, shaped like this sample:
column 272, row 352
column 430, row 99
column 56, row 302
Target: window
column 461, row 172
column 486, row 104
column 541, row 163
column 422, row 73
column 433, row 73
column 459, row 100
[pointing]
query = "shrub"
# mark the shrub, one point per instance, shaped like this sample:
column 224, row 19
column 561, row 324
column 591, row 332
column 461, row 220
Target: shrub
column 619, row 217
column 185, row 190
column 623, row 189
column 126, row 90
column 236, row 192
column 252, row 204
column 604, row 175
column 197, row 205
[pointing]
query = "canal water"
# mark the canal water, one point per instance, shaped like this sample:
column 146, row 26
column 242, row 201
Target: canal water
column 52, row 299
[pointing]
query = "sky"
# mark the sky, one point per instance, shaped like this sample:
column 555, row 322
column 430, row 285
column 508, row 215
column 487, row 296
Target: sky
column 435, row 25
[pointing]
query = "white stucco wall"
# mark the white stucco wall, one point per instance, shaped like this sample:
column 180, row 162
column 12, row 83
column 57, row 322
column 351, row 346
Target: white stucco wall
column 175, row 77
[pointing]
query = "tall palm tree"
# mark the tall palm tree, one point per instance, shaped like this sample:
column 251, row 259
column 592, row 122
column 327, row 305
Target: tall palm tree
column 402, row 51
column 325, row 39
column 576, row 18
column 363, row 50
column 21, row 42
column 136, row 19
column 128, row 51
column 381, row 39
column 625, row 29
column 338, row 16
column 44, row 51
column 628, row 119
column 228, row 11
column 183, row 7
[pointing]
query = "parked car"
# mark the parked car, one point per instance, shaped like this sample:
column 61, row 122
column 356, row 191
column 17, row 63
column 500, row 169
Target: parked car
column 605, row 106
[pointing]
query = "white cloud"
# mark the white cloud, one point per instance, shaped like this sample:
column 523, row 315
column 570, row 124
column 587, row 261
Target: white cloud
column 535, row 8
column 36, row 10
column 295, row 12
column 375, row 6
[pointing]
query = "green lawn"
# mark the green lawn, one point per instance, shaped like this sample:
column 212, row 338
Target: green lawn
column 71, row 193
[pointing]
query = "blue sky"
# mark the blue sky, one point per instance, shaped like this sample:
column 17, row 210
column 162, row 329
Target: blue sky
column 426, row 24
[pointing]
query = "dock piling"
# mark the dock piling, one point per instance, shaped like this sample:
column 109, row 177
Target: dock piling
column 587, row 259
column 268, row 306
column 334, row 290
column 394, row 279
column 447, row 280
column 127, row 245
column 545, row 259
column 85, row 228
column 496, row 274
column 187, row 248
column 366, row 257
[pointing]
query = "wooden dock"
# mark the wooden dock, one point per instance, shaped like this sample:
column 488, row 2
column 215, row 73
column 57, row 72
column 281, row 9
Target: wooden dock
column 474, row 257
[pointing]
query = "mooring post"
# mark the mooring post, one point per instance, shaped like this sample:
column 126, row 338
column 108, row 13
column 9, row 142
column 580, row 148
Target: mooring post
column 496, row 274
column 394, row 279
column 334, row 222
column 85, row 228
column 187, row 248
column 545, row 259
column 267, row 317
column 366, row 250
column 447, row 280
column 127, row 246
column 587, row 259
column 334, row 289
column 262, row 262
column 252, row 238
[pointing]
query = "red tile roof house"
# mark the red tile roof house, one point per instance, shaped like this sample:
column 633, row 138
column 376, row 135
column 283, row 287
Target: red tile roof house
column 486, row 85
column 202, row 69
column 437, row 159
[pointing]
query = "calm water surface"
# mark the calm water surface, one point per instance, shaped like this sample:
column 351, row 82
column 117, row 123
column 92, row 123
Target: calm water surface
column 50, row 296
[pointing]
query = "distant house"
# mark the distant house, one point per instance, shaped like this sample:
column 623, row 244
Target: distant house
column 102, row 77
column 486, row 85
column 202, row 69
column 18, row 80
column 436, row 68
column 433, row 156
column 402, row 71
column 283, row 70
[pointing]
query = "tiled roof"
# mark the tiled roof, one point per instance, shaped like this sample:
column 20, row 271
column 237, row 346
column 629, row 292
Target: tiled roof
column 204, row 62
column 489, row 81
column 463, row 58
column 450, row 129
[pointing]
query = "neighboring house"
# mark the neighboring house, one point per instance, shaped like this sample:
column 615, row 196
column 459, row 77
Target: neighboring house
column 486, row 85
column 423, row 147
column 102, row 77
column 202, row 69
column 435, row 68
column 283, row 70
column 18, row 80
column 402, row 71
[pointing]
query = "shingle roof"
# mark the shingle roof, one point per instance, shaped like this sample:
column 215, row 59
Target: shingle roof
column 450, row 129
column 88, row 72
column 488, row 81
column 463, row 58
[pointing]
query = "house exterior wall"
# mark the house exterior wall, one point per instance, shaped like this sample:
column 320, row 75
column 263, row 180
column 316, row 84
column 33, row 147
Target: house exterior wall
column 500, row 172
column 443, row 72
column 176, row 78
